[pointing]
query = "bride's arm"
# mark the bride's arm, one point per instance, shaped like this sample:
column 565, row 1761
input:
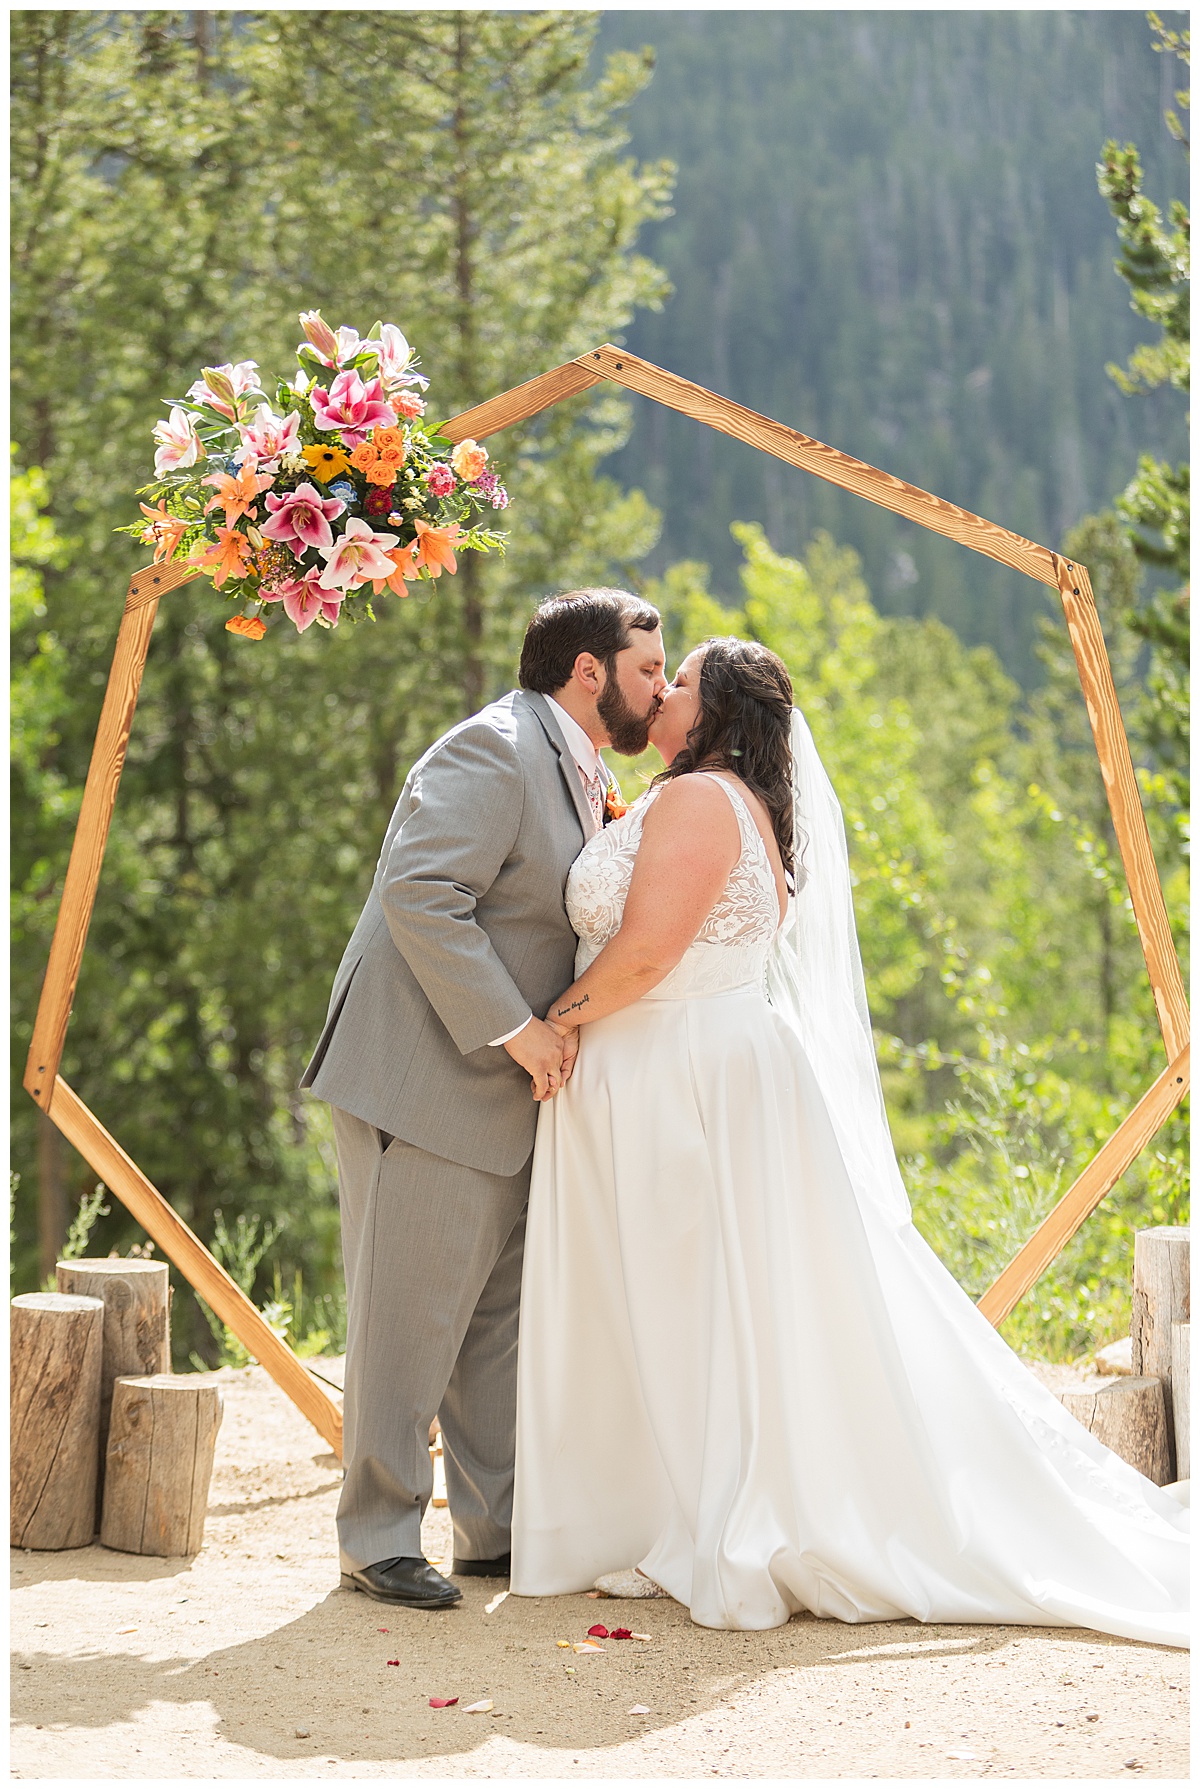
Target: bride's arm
column 690, row 843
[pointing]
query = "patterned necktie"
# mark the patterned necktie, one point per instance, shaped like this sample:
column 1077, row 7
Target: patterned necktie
column 597, row 789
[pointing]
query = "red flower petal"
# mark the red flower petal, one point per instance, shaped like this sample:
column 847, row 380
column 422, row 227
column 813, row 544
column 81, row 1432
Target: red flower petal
column 599, row 1632
column 442, row 1701
column 621, row 1633
column 393, row 1661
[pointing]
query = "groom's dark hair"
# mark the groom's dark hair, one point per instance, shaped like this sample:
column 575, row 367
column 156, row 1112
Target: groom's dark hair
column 596, row 621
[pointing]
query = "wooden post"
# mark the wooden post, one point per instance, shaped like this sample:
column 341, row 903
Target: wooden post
column 1181, row 1397
column 182, row 1246
column 55, row 1423
column 52, row 1195
column 160, row 1456
column 136, row 1331
column 1130, row 1417
column 1125, row 803
column 1161, row 1298
column 1102, row 1172
column 95, row 817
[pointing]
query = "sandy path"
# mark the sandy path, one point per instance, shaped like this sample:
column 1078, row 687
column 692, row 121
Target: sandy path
column 248, row 1661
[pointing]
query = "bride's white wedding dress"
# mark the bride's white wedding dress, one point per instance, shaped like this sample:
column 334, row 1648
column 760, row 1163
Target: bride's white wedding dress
column 759, row 1385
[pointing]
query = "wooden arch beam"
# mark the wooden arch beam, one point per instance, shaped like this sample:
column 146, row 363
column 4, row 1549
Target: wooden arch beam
column 64, row 1107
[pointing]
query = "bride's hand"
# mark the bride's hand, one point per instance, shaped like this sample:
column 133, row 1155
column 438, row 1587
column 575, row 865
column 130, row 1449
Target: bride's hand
column 570, row 1046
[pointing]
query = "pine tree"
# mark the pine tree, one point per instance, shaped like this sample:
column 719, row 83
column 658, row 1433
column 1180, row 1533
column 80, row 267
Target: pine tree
column 1155, row 263
column 185, row 183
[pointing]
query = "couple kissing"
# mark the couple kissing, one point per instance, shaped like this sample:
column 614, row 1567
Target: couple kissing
column 604, row 1080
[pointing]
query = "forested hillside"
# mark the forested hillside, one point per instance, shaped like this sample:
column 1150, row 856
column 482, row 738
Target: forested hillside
column 887, row 233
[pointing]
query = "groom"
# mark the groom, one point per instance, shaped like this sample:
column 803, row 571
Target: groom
column 433, row 1037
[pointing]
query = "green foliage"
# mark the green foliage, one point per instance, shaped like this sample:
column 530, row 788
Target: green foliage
column 239, row 1251
column 887, row 234
column 1156, row 265
column 184, row 183
column 1168, row 42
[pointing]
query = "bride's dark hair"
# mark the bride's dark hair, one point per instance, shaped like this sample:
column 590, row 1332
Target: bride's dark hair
column 745, row 725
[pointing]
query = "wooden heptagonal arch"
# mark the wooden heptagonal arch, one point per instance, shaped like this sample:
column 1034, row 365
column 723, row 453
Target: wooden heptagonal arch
column 184, row 1248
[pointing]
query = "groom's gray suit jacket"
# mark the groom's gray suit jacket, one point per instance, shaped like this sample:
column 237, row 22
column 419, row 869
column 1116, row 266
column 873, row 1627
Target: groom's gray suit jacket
column 464, row 932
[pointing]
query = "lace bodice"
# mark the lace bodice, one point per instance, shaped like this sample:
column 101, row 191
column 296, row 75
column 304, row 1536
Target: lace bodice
column 730, row 949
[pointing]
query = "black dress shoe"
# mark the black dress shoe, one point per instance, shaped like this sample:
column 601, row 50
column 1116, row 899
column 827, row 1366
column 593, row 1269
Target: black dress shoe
column 413, row 1582
column 484, row 1568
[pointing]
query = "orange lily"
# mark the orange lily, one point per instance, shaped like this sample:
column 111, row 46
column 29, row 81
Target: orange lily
column 225, row 557
column 435, row 547
column 402, row 559
column 165, row 531
column 237, row 495
column 249, row 626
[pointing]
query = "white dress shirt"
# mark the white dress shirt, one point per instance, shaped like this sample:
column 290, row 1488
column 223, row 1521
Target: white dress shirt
column 590, row 765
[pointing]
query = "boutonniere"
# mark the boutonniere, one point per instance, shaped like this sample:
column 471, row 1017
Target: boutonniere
column 614, row 807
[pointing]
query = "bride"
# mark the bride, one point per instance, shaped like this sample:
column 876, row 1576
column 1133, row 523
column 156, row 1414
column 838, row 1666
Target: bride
column 741, row 1370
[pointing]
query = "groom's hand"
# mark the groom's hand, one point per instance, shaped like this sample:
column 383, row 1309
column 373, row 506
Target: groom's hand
column 539, row 1050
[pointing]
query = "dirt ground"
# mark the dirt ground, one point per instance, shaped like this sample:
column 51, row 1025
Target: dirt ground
column 293, row 1677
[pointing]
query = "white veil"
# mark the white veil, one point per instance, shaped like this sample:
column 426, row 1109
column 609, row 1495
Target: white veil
column 815, row 982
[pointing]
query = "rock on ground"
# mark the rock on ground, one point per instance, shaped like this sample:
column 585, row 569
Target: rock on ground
column 248, row 1661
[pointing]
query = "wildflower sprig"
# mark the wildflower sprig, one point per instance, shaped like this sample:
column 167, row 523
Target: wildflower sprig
column 337, row 493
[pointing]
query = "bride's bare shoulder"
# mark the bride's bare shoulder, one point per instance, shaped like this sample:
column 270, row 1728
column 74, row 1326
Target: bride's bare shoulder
column 692, row 805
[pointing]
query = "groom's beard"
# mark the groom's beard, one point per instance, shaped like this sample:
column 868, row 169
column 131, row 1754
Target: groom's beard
column 628, row 731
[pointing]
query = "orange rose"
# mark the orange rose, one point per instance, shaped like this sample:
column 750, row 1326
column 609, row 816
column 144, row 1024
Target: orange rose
column 249, row 626
column 380, row 458
column 469, row 460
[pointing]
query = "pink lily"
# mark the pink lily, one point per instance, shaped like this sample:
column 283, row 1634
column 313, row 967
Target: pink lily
column 302, row 515
column 359, row 554
column 351, row 407
column 332, row 347
column 178, row 443
column 394, row 357
column 267, row 437
column 243, row 378
column 305, row 598
column 319, row 336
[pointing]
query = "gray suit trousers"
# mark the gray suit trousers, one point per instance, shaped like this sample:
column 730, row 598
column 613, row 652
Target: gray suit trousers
column 432, row 1254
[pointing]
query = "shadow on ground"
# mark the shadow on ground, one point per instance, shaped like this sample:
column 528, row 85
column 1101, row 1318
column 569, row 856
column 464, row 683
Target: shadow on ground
column 326, row 1675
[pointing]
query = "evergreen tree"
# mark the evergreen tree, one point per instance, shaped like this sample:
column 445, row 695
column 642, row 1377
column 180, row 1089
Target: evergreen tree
column 184, row 183
column 1155, row 263
column 886, row 233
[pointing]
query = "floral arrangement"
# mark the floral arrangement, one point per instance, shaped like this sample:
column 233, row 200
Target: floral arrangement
column 337, row 494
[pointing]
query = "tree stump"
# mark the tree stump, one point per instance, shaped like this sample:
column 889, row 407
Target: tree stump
column 55, row 1433
column 1181, row 1397
column 1161, row 1298
column 160, row 1454
column 136, row 1330
column 1130, row 1417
